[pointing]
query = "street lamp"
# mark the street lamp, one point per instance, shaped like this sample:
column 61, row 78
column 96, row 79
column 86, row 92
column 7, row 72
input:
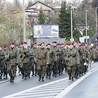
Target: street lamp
column 86, row 23
column 72, row 39
column 24, row 25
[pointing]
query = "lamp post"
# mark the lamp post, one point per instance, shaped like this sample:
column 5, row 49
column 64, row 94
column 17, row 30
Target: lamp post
column 96, row 18
column 72, row 39
column 24, row 25
column 86, row 23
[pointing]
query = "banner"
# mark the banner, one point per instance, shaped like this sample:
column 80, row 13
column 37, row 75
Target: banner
column 46, row 31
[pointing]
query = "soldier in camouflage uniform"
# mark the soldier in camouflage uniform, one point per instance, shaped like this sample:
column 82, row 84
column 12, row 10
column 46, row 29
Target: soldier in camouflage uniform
column 83, row 58
column 49, row 61
column 34, row 67
column 2, row 61
column 6, row 53
column 25, row 65
column 94, row 53
column 59, row 54
column 19, row 56
column 76, row 46
column 12, row 66
column 87, row 57
column 54, row 53
column 72, row 62
column 65, row 51
column 41, row 62
column 62, row 57
column 31, row 61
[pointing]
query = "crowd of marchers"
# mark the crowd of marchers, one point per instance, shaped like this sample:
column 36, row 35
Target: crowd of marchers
column 46, row 61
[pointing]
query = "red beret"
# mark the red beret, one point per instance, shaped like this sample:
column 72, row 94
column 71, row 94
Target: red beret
column 58, row 44
column 21, row 43
column 48, row 44
column 42, row 43
column 62, row 43
column 24, row 42
column 4, row 46
column 39, row 44
column 34, row 43
column 54, row 42
column 12, row 43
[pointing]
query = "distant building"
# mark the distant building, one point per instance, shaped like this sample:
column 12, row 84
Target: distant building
column 34, row 9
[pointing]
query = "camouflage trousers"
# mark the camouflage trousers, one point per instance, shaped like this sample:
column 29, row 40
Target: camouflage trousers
column 71, row 70
column 41, row 72
column 12, row 72
column 48, row 71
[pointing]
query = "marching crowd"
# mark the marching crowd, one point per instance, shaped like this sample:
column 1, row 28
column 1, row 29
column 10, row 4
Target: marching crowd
column 46, row 61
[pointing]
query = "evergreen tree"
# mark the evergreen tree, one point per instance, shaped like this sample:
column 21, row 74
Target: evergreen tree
column 64, row 21
column 41, row 17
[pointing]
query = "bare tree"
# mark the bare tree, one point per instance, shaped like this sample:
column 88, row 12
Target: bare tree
column 95, row 3
column 17, row 4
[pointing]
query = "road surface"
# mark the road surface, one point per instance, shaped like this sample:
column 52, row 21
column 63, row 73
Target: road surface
column 59, row 87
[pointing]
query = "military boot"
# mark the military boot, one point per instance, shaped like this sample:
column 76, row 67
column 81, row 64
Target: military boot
column 72, row 78
column 11, row 80
column 49, row 77
column 22, row 77
column 46, row 76
column 0, row 78
column 39, row 78
column 69, row 77
column 42, row 79
column 25, row 78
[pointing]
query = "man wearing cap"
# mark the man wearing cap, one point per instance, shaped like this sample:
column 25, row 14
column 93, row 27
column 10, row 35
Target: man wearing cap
column 19, row 54
column 62, row 57
column 2, row 61
column 34, row 67
column 73, row 56
column 55, row 65
column 6, row 53
column 87, row 57
column 41, row 61
column 59, row 58
column 49, row 61
column 12, row 62
column 76, row 47
column 31, row 61
column 25, row 69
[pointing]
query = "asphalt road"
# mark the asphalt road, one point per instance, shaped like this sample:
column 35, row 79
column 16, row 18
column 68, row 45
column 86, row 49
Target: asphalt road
column 7, row 88
column 87, row 84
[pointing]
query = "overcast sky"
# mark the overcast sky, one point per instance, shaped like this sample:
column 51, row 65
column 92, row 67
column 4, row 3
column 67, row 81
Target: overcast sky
column 40, row 0
column 75, row 1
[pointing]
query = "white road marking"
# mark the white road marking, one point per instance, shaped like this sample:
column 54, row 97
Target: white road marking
column 70, row 87
column 28, row 90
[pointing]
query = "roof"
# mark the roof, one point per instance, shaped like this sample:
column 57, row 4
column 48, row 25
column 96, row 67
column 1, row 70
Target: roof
column 42, row 4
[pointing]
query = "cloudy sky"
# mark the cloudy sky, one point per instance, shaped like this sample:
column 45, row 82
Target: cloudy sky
column 40, row 0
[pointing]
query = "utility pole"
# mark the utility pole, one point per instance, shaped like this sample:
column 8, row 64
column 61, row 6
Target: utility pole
column 24, row 25
column 72, row 39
